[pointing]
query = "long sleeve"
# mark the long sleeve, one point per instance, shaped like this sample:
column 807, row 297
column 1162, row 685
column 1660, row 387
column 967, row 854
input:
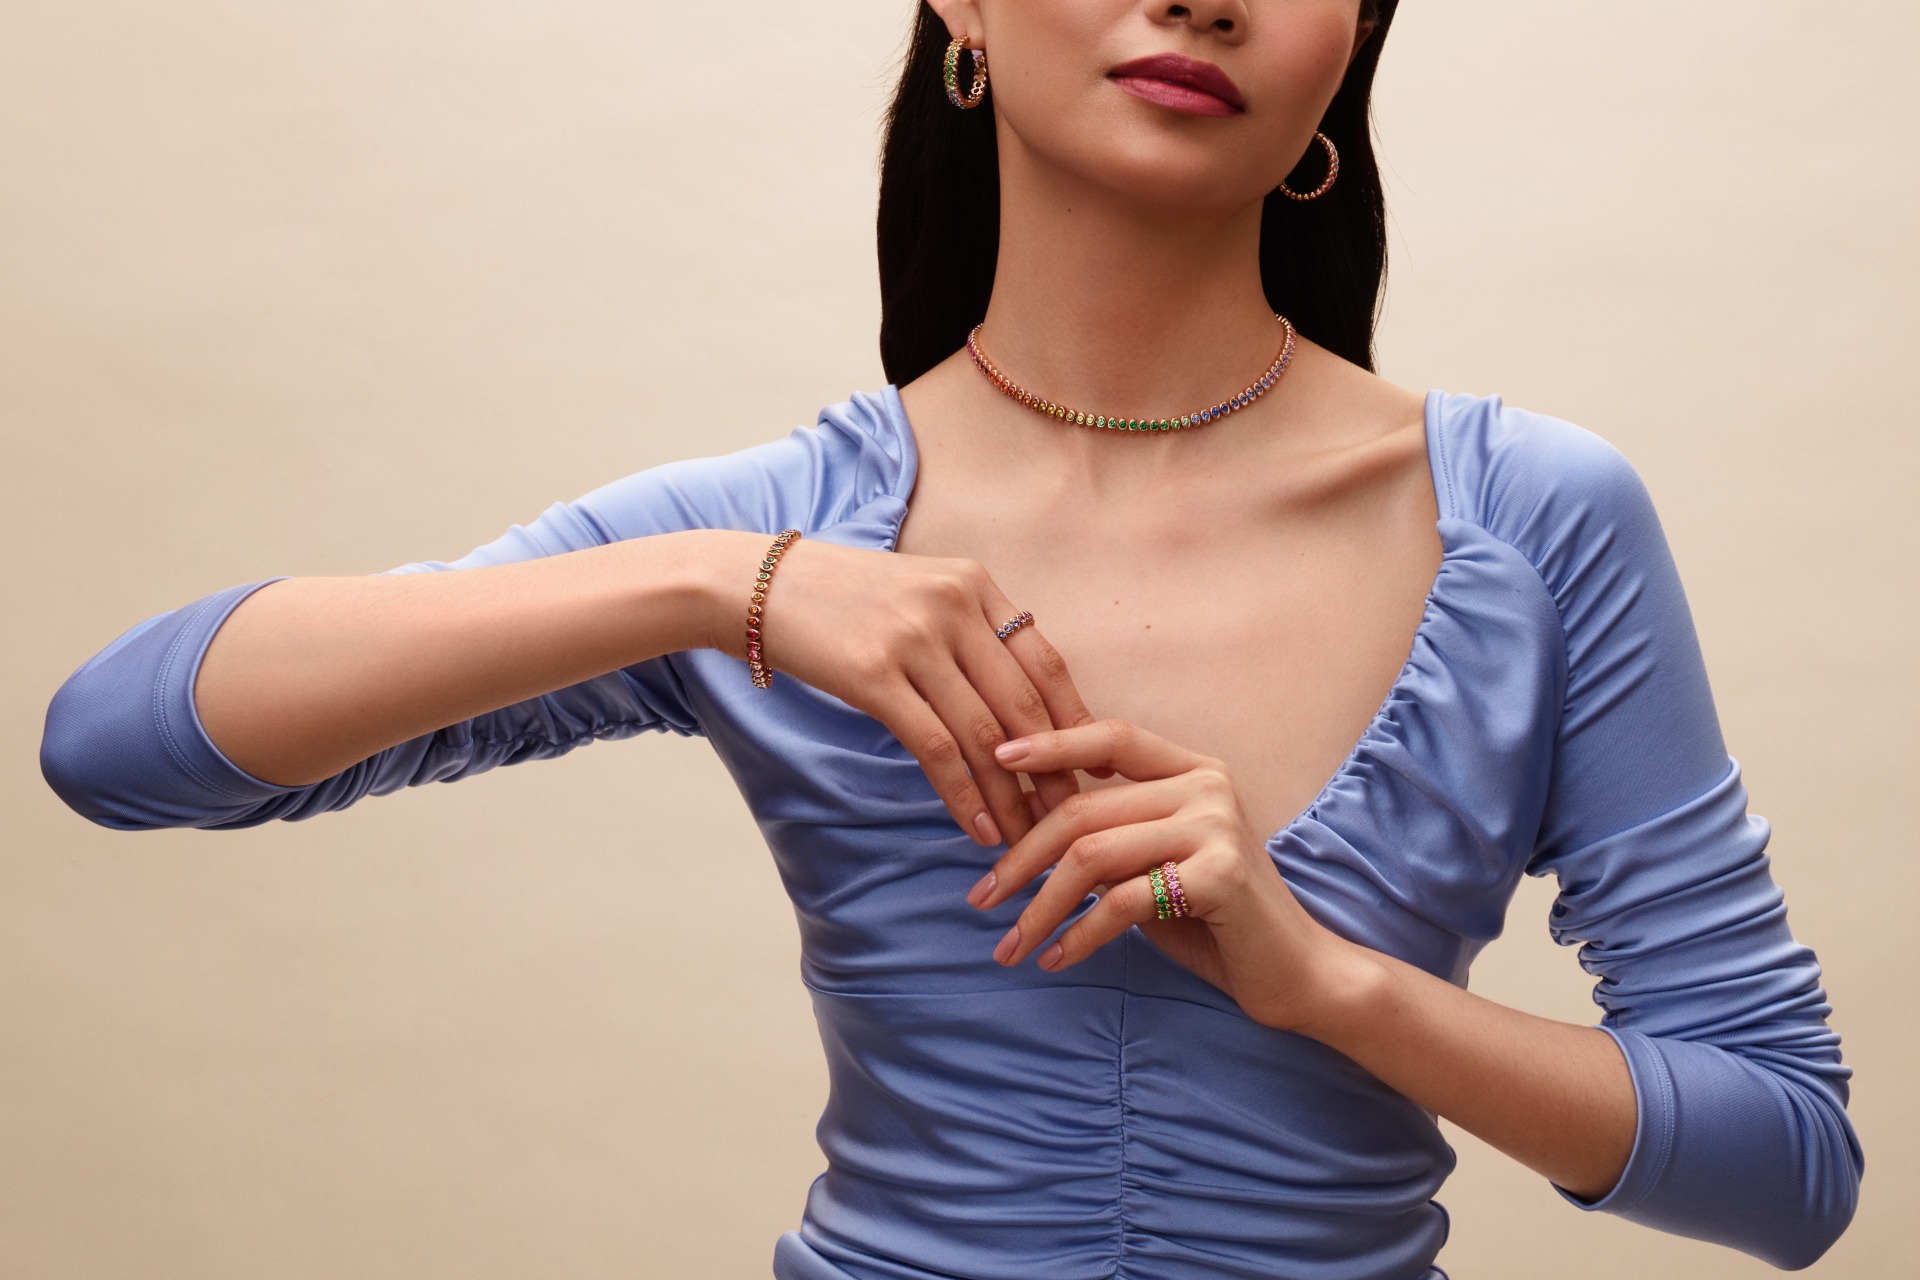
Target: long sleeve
column 124, row 746
column 1742, row 1137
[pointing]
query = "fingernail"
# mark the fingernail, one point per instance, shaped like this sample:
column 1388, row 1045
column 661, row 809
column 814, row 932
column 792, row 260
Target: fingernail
column 984, row 824
column 1008, row 752
column 1004, row 951
column 984, row 890
column 1051, row 956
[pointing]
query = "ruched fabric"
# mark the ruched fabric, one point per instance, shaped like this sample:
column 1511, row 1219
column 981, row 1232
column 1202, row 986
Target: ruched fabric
column 1124, row 1118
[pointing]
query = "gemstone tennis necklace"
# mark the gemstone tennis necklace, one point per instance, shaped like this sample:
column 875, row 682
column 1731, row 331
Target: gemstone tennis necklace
column 1261, row 385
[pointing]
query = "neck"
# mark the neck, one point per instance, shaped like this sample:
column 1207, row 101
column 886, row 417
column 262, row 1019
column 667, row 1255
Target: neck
column 1109, row 305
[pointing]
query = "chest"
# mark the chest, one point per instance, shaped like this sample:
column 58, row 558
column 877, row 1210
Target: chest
column 1264, row 634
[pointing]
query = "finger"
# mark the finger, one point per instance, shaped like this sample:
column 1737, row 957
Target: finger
column 1077, row 818
column 1112, row 857
column 1048, row 672
column 1127, row 749
column 976, row 729
column 924, row 734
column 1119, row 909
column 1002, row 682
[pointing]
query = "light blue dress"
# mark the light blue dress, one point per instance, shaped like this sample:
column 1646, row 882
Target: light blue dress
column 1124, row 1118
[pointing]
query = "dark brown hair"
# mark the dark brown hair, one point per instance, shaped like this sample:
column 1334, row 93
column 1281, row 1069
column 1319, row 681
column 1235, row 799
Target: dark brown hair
column 1322, row 262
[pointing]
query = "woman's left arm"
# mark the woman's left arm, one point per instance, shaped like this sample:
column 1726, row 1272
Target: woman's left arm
column 1711, row 1100
column 1555, row 1096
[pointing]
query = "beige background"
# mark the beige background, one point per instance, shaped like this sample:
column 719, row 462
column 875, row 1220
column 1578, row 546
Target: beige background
column 328, row 287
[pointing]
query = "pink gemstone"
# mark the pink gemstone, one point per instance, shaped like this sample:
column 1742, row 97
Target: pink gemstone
column 752, row 634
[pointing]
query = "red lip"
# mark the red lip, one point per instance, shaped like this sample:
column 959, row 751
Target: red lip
column 1193, row 81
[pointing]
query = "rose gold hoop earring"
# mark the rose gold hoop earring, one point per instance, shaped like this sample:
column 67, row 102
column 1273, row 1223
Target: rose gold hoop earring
column 951, row 75
column 1333, row 171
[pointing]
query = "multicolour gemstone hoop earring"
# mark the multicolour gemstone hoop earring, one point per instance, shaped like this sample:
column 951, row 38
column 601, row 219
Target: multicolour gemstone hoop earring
column 952, row 76
column 1333, row 171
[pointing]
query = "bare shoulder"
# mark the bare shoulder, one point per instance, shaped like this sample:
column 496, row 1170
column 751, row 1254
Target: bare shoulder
column 1337, row 404
column 1348, row 429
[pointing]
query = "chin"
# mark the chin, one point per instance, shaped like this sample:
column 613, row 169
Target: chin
column 1178, row 168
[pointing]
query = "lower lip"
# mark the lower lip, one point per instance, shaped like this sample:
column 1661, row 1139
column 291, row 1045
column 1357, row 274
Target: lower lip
column 1179, row 97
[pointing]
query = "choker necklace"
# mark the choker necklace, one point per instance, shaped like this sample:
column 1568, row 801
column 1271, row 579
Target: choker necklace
column 1260, row 387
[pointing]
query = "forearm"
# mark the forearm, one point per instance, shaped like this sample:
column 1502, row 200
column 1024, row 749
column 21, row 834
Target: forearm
column 310, row 676
column 1554, row 1096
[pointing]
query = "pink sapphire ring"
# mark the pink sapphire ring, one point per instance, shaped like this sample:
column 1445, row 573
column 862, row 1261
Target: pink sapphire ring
column 1017, row 621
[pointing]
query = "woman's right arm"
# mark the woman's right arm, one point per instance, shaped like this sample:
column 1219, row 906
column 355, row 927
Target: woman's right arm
column 310, row 676
column 303, row 695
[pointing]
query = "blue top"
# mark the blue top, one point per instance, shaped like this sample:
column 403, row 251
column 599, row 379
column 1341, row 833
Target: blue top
column 1124, row 1118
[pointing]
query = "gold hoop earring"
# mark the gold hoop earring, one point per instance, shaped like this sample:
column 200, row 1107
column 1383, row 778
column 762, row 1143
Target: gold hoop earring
column 1333, row 171
column 952, row 76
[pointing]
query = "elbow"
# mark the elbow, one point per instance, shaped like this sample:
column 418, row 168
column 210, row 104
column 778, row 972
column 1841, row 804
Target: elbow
column 122, row 744
column 1828, row 1200
column 1786, row 1216
column 1808, row 1240
column 1821, row 1166
column 81, row 753
column 1750, row 1153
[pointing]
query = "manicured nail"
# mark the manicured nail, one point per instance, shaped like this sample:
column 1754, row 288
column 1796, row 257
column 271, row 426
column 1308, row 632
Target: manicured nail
column 1008, row 752
column 1051, row 956
column 984, row 890
column 984, row 824
column 1007, row 946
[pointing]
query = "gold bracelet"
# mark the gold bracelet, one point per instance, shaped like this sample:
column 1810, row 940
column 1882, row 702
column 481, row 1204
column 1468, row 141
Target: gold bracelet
column 762, row 673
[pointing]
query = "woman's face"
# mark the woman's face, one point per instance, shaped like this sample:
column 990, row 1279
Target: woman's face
column 1201, row 105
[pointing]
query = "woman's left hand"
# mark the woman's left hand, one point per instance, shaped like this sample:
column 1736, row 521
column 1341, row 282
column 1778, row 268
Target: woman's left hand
column 1246, row 933
column 1554, row 1095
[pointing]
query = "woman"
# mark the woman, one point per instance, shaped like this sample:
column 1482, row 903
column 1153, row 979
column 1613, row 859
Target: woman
column 1109, row 1024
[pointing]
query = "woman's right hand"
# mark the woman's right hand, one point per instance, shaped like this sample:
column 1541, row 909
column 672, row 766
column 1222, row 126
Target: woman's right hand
column 910, row 640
